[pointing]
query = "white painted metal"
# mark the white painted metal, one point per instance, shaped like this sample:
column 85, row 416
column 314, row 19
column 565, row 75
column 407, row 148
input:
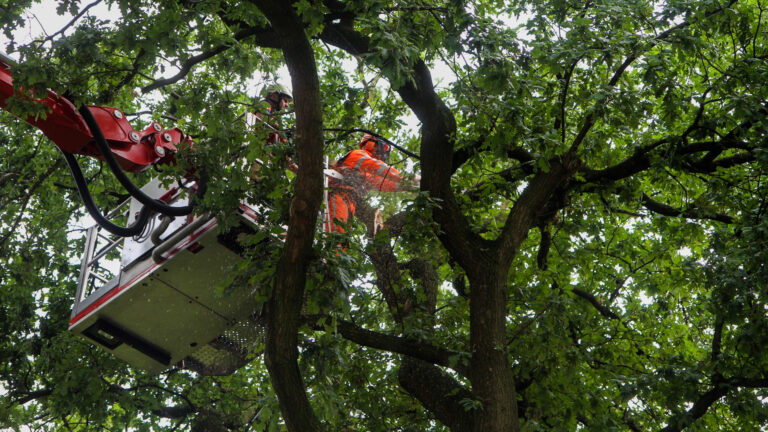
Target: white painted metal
column 154, row 315
column 159, row 307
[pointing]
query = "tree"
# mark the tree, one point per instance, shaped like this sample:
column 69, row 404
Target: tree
column 586, row 251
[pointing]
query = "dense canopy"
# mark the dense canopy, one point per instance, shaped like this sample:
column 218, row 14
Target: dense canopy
column 586, row 252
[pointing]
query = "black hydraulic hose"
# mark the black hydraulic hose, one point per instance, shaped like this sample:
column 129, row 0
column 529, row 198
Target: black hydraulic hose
column 82, row 188
column 106, row 152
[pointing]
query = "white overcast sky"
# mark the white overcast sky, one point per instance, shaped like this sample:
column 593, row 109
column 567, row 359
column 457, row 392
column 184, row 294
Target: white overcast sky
column 42, row 19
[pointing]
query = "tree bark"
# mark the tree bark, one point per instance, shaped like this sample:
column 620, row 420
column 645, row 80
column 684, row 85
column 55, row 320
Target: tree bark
column 487, row 261
column 438, row 392
column 493, row 383
column 284, row 306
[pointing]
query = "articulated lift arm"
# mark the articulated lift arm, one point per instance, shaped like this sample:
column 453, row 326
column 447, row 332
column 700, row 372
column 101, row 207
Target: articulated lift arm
column 158, row 307
column 104, row 133
column 134, row 150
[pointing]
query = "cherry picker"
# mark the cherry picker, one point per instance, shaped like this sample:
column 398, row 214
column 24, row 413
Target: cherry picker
column 156, row 307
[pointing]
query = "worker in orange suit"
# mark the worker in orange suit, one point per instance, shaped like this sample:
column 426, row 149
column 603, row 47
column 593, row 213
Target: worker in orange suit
column 363, row 170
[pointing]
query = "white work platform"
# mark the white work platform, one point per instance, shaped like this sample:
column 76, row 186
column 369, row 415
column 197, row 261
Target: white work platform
column 157, row 306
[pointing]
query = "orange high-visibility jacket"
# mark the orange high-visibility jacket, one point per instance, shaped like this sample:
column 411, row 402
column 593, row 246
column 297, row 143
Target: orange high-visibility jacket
column 362, row 173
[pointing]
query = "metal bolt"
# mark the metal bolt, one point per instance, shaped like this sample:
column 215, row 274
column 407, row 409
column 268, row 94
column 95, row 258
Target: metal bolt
column 134, row 137
column 167, row 136
column 117, row 114
column 160, row 151
column 157, row 126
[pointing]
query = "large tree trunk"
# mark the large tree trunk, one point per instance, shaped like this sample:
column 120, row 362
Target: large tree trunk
column 284, row 306
column 493, row 383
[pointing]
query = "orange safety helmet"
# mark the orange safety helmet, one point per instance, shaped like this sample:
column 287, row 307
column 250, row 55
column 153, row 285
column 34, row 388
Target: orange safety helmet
column 375, row 146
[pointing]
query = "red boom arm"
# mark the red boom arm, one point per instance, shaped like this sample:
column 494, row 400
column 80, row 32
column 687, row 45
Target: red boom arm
column 134, row 151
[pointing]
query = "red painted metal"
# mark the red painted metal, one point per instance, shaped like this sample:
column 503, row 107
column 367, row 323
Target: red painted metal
column 134, row 150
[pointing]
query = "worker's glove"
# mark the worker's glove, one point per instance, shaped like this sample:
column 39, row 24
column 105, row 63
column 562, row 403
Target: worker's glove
column 378, row 222
column 410, row 184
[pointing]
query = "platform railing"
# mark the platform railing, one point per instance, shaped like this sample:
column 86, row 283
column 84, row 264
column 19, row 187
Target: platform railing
column 98, row 267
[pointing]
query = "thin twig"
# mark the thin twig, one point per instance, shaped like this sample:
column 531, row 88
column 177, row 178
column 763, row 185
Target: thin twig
column 71, row 23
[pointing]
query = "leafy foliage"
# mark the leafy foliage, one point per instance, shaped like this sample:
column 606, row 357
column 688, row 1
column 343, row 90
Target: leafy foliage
column 587, row 251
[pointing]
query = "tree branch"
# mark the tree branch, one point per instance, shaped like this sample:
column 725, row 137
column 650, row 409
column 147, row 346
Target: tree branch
column 438, row 392
column 423, row 351
column 37, row 394
column 32, row 189
column 636, row 163
column 438, row 128
column 705, row 165
column 532, row 201
column 461, row 155
column 132, row 73
column 283, row 309
column 187, row 66
column 70, row 23
column 682, row 420
column 564, row 97
column 174, row 412
column 641, row 161
column 590, row 119
column 689, row 213
column 717, row 338
column 604, row 310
